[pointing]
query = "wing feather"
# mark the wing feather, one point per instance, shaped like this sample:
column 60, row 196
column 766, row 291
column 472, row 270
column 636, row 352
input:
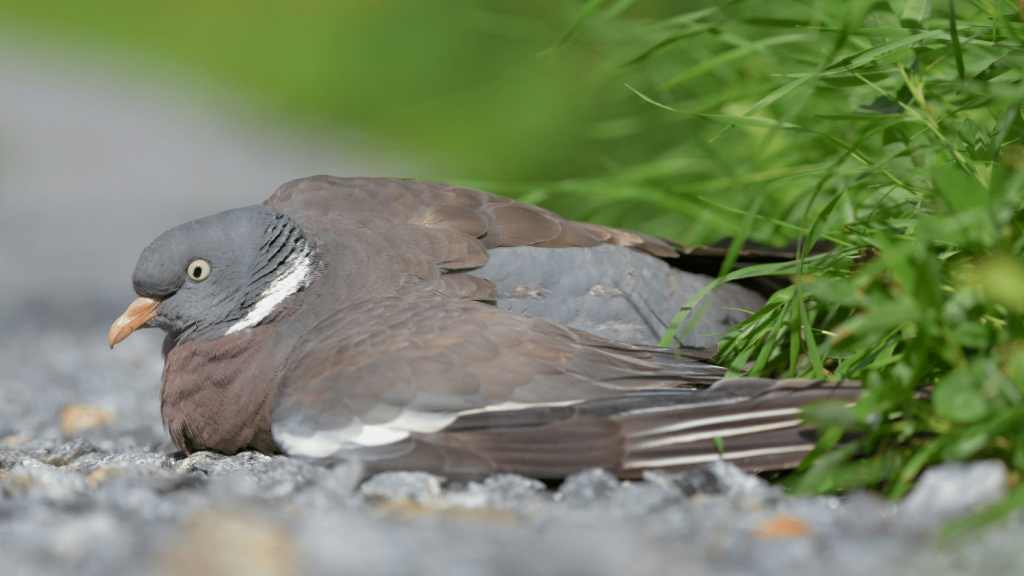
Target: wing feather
column 495, row 220
column 463, row 390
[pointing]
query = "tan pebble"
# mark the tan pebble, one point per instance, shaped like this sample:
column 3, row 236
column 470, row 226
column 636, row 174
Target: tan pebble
column 79, row 417
column 17, row 484
column 231, row 542
column 480, row 516
column 404, row 509
column 401, row 509
column 14, row 439
column 783, row 526
column 101, row 475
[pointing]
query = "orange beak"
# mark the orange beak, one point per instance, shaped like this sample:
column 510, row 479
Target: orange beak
column 140, row 312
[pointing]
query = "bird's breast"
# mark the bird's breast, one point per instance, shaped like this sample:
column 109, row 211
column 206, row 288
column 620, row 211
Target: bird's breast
column 216, row 393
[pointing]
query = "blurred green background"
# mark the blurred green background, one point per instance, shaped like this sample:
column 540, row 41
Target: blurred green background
column 461, row 84
column 528, row 99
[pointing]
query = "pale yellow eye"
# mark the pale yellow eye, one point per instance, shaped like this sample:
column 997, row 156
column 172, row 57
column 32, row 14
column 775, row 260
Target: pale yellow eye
column 198, row 270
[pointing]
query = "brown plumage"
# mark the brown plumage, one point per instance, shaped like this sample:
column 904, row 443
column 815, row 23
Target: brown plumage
column 624, row 288
column 355, row 318
column 497, row 221
column 472, row 390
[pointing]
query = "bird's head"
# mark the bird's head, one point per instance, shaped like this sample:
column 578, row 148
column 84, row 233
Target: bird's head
column 218, row 275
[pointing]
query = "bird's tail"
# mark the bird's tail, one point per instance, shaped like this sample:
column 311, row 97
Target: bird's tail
column 752, row 422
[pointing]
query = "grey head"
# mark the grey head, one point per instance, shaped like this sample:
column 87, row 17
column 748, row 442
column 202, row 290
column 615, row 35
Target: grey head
column 222, row 273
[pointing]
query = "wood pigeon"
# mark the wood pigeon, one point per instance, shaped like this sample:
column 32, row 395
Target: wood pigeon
column 415, row 325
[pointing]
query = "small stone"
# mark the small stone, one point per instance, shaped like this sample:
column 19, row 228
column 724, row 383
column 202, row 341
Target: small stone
column 484, row 516
column 513, row 492
column 212, row 462
column 588, row 486
column 101, row 475
column 419, row 487
column 736, row 482
column 947, row 491
column 45, row 483
column 783, row 526
column 640, row 498
column 68, row 452
column 473, row 497
column 697, row 481
column 79, row 417
column 16, row 484
column 232, row 542
column 14, row 439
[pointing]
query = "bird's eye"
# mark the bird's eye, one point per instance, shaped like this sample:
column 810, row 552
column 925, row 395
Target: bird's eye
column 198, row 270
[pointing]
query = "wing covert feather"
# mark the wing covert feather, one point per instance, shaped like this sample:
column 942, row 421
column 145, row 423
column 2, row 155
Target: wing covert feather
column 464, row 389
column 432, row 358
column 495, row 220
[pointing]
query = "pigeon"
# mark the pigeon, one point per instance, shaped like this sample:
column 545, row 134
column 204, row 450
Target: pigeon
column 356, row 320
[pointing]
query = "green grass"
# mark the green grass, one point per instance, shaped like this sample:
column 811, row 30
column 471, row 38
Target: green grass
column 891, row 129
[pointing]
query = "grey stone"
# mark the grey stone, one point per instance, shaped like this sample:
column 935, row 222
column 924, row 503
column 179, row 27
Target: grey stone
column 44, row 483
column 505, row 492
column 588, row 486
column 947, row 491
column 700, row 480
column 512, row 490
column 736, row 483
column 419, row 487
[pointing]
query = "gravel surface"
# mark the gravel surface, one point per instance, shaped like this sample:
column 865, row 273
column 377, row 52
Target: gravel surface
column 89, row 484
column 91, row 169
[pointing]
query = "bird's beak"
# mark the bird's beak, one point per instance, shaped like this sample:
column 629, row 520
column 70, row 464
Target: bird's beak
column 140, row 312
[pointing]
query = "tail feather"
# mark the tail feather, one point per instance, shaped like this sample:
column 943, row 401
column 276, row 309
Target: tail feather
column 775, row 450
column 759, row 431
column 752, row 422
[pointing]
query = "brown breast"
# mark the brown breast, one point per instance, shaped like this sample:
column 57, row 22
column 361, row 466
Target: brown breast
column 216, row 393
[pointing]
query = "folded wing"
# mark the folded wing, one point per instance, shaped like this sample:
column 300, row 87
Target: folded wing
column 611, row 282
column 495, row 220
column 462, row 389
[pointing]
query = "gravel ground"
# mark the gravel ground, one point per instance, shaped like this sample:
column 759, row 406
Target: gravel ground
column 91, row 169
column 89, row 485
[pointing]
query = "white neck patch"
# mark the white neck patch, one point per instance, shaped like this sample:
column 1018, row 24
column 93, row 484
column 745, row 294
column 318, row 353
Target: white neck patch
column 297, row 275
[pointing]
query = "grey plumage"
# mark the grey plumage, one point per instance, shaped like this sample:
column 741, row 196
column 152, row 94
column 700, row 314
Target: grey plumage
column 356, row 318
column 603, row 280
column 464, row 390
column 246, row 249
column 611, row 291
